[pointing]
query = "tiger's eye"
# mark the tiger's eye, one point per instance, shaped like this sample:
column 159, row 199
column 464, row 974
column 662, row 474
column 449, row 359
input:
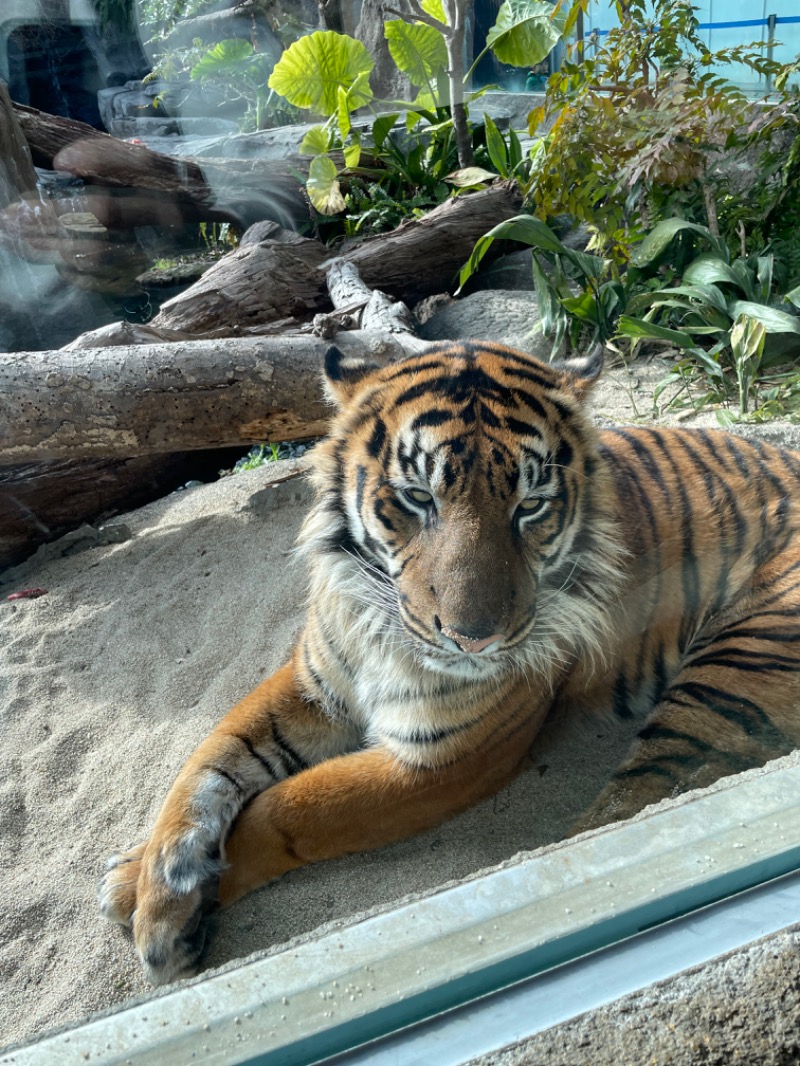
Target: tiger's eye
column 419, row 495
column 530, row 505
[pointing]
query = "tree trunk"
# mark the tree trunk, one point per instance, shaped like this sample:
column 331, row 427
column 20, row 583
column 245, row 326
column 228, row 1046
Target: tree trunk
column 150, row 399
column 455, row 42
column 260, row 283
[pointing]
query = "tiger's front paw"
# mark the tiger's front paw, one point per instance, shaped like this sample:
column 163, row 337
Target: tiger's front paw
column 177, row 889
column 170, row 930
column 117, row 891
column 163, row 892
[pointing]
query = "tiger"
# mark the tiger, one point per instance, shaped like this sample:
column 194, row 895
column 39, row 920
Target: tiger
column 482, row 559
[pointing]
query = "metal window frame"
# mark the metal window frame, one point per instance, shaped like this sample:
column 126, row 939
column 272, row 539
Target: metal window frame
column 398, row 968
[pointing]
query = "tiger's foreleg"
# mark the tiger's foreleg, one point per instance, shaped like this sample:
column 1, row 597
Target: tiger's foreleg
column 164, row 888
column 734, row 706
column 357, row 802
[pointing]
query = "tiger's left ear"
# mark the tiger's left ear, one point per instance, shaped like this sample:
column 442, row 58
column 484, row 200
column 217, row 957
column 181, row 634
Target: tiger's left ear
column 343, row 375
column 584, row 371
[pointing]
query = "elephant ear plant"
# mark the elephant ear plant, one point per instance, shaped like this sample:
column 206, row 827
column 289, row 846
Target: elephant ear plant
column 327, row 73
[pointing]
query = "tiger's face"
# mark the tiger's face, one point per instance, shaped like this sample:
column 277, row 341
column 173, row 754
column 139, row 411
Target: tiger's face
column 459, row 480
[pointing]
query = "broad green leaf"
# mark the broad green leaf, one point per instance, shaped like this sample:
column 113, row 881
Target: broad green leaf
column 417, row 49
column 583, row 307
column 323, row 187
column 640, row 329
column 764, row 269
column 227, row 57
column 747, row 345
column 514, row 150
column 775, row 321
column 747, row 337
column 709, row 270
column 747, row 280
column 659, row 239
column 496, row 146
column 316, row 141
column 793, row 297
column 468, row 176
column 435, row 9
column 343, row 112
column 552, row 316
column 534, row 232
column 525, row 33
column 697, row 294
column 381, row 128
column 352, row 155
column 312, row 70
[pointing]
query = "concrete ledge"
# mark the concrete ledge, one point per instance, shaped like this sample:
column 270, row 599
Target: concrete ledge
column 396, row 968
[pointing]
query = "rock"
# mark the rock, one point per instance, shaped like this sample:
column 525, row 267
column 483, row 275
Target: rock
column 512, row 273
column 508, row 317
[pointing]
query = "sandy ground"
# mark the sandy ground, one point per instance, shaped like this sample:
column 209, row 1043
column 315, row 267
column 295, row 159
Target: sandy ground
column 148, row 633
column 109, row 681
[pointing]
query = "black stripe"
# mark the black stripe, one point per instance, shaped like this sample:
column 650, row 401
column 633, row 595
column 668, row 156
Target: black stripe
column 742, row 659
column 434, row 417
column 690, row 571
column 286, row 749
column 744, row 712
column 228, row 777
column 621, row 697
column 377, row 439
column 259, row 758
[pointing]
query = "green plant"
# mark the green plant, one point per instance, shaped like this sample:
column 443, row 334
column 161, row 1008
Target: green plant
column 580, row 296
column 637, row 126
column 328, row 74
column 218, row 237
column 240, row 72
column 262, row 454
column 238, row 69
column 730, row 318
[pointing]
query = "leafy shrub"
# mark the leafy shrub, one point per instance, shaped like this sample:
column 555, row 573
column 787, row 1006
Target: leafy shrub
column 637, row 127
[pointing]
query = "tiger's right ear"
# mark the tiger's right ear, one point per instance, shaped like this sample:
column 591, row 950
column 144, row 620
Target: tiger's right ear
column 343, row 375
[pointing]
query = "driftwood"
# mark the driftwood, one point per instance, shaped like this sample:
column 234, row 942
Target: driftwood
column 150, row 399
column 417, row 259
column 359, row 307
column 256, row 283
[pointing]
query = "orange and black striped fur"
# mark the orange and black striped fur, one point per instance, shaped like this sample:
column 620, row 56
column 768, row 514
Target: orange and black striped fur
column 480, row 557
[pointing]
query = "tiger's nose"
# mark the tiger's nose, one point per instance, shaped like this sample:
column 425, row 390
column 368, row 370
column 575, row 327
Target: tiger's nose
column 472, row 644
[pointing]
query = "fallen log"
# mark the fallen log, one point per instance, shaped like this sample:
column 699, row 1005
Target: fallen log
column 419, row 258
column 119, row 402
column 42, row 501
column 258, row 283
column 359, row 307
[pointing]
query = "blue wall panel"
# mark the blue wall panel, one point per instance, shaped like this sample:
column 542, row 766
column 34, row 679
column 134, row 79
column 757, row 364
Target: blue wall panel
column 718, row 13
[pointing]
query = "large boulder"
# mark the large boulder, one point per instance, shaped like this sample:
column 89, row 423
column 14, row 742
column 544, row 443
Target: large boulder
column 504, row 316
